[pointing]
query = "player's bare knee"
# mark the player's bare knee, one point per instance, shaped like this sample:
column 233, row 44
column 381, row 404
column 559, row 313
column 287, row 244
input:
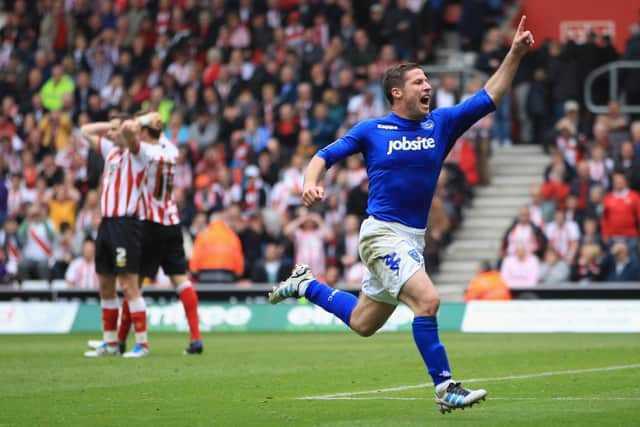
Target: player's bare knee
column 363, row 328
column 427, row 306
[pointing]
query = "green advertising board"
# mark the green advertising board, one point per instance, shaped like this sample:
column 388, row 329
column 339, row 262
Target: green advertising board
column 259, row 317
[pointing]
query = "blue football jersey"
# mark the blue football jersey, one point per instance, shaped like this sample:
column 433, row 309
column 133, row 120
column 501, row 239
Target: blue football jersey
column 404, row 157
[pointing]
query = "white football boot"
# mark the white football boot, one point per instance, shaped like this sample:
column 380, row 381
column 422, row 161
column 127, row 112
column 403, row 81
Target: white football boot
column 451, row 395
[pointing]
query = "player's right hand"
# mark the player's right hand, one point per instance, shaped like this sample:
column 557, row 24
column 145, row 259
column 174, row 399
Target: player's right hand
column 312, row 195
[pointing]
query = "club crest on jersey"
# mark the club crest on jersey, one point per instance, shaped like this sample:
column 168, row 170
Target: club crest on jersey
column 427, row 124
column 404, row 144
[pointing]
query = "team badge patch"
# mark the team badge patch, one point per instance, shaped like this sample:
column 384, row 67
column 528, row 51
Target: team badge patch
column 393, row 262
column 415, row 255
column 427, row 124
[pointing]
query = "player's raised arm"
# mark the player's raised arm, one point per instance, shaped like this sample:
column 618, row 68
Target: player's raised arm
column 93, row 131
column 498, row 85
column 130, row 131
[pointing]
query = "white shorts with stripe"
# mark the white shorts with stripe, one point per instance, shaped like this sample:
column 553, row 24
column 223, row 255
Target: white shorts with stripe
column 392, row 253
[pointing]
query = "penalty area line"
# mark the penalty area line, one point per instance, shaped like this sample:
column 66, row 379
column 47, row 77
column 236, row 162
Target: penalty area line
column 349, row 395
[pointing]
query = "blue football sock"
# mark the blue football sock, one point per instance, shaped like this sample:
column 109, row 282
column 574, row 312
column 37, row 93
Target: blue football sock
column 332, row 300
column 425, row 334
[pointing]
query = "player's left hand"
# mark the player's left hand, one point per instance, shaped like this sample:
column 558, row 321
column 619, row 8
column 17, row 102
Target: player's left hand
column 522, row 40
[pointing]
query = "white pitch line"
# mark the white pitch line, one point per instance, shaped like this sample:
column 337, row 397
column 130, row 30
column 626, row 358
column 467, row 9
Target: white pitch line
column 336, row 396
column 563, row 398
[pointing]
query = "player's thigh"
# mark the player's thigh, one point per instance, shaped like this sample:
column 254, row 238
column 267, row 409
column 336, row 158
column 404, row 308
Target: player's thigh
column 174, row 260
column 420, row 294
column 151, row 251
column 369, row 315
column 104, row 258
column 126, row 246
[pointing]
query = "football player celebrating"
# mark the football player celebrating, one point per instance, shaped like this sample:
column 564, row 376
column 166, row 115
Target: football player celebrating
column 404, row 152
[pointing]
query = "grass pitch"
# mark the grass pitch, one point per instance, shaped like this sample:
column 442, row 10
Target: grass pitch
column 257, row 380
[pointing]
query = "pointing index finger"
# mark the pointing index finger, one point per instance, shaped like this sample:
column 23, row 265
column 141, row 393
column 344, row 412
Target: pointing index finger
column 521, row 24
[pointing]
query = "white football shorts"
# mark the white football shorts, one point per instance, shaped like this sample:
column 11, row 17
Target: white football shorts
column 392, row 253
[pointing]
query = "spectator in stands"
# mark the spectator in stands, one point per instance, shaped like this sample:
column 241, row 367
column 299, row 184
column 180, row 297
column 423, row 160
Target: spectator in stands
column 558, row 163
column 521, row 269
column 620, row 267
column 538, row 210
column 332, row 277
column 523, row 231
column 309, row 234
column 347, row 243
column 56, row 129
column 487, row 285
column 322, row 128
column 55, row 88
column 616, row 122
column 63, row 251
column 635, row 137
column 11, row 246
column 581, row 184
column 361, row 53
column 357, row 199
column 37, row 236
column 587, row 267
column 273, row 267
column 621, row 214
column 631, row 80
column 438, row 228
column 446, row 92
column 217, row 252
column 573, row 213
column 463, row 154
column 590, row 232
column 4, row 192
column 4, row 277
column 488, row 60
column 364, row 106
column 595, row 207
column 62, row 207
column 567, row 142
column 563, row 73
column 554, row 270
column 555, row 190
column 630, row 165
column 538, row 101
column 563, row 236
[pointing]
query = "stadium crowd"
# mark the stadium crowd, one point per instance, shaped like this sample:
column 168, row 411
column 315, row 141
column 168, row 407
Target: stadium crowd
column 583, row 223
column 249, row 91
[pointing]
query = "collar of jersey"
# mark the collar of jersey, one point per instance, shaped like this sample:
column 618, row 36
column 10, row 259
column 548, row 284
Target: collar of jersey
column 406, row 122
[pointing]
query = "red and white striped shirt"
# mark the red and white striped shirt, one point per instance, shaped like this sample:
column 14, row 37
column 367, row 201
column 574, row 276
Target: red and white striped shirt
column 309, row 249
column 158, row 202
column 82, row 274
column 122, row 179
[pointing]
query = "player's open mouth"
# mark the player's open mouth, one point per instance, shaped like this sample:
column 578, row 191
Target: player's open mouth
column 425, row 100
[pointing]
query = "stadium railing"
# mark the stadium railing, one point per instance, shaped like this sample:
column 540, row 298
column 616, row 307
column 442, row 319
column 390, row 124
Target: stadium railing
column 613, row 69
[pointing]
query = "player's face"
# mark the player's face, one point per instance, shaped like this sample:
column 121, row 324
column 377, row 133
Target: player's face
column 416, row 94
